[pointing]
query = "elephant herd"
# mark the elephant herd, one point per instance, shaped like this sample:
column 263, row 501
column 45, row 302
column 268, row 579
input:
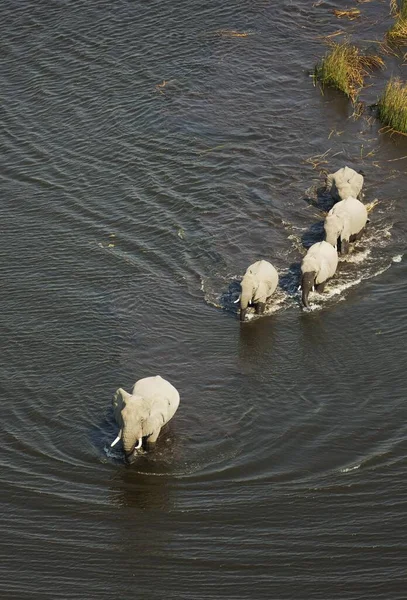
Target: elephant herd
column 344, row 223
column 154, row 401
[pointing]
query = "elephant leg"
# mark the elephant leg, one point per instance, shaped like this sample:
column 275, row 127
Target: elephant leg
column 260, row 306
column 344, row 246
column 360, row 234
column 151, row 440
column 320, row 287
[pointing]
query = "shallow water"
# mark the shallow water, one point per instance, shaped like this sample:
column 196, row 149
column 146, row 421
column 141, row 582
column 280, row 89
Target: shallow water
column 148, row 158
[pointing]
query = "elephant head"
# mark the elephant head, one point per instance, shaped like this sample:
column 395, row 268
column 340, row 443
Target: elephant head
column 135, row 420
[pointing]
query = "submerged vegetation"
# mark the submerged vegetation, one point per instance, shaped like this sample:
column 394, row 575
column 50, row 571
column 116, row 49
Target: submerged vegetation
column 345, row 68
column 397, row 34
column 392, row 106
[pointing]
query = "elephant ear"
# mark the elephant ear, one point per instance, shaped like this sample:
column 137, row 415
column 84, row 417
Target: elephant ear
column 120, row 399
column 247, row 287
column 154, row 419
column 261, row 293
column 332, row 228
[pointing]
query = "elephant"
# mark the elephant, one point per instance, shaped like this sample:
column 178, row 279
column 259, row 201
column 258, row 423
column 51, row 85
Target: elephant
column 345, row 223
column 318, row 265
column 344, row 183
column 258, row 284
column 141, row 414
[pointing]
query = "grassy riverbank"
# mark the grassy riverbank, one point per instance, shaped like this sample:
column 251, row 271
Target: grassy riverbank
column 345, row 67
column 397, row 34
column 392, row 106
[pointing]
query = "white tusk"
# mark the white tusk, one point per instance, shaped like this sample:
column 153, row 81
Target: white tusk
column 115, row 442
column 139, row 444
column 236, row 301
column 298, row 288
column 313, row 288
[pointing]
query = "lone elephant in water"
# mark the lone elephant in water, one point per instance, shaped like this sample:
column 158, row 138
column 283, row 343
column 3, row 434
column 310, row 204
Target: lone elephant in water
column 258, row 284
column 141, row 414
column 318, row 265
column 345, row 223
column 344, row 183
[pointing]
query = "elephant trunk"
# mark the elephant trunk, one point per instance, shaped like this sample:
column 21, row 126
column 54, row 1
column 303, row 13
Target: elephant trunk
column 246, row 296
column 307, row 283
column 305, row 294
column 131, row 444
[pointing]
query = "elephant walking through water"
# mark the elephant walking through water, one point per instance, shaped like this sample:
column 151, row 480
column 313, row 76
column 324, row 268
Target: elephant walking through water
column 258, row 284
column 345, row 223
column 141, row 414
column 318, row 265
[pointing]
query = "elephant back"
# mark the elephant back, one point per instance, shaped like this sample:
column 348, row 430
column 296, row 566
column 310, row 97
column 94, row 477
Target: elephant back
column 352, row 214
column 328, row 262
column 344, row 182
column 357, row 214
column 159, row 392
column 322, row 259
column 264, row 270
column 262, row 279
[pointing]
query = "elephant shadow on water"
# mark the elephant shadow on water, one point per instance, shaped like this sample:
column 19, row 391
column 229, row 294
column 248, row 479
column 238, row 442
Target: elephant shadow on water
column 256, row 345
column 131, row 488
column 314, row 234
column 229, row 297
column 290, row 280
column 321, row 200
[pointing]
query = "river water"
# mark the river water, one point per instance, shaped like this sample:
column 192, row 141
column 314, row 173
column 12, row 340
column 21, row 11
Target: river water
column 149, row 155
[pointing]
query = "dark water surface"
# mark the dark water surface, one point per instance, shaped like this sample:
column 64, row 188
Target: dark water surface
column 148, row 157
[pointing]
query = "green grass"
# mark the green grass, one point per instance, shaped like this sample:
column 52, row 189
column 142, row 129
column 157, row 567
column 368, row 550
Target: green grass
column 392, row 106
column 397, row 34
column 344, row 67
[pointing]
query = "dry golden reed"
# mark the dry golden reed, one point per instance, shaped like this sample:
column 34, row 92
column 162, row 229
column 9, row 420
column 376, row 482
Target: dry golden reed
column 232, row 33
column 351, row 13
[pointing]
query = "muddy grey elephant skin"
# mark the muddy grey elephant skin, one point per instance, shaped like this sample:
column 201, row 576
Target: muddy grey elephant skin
column 344, row 183
column 345, row 223
column 141, row 414
column 258, row 284
column 318, row 265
